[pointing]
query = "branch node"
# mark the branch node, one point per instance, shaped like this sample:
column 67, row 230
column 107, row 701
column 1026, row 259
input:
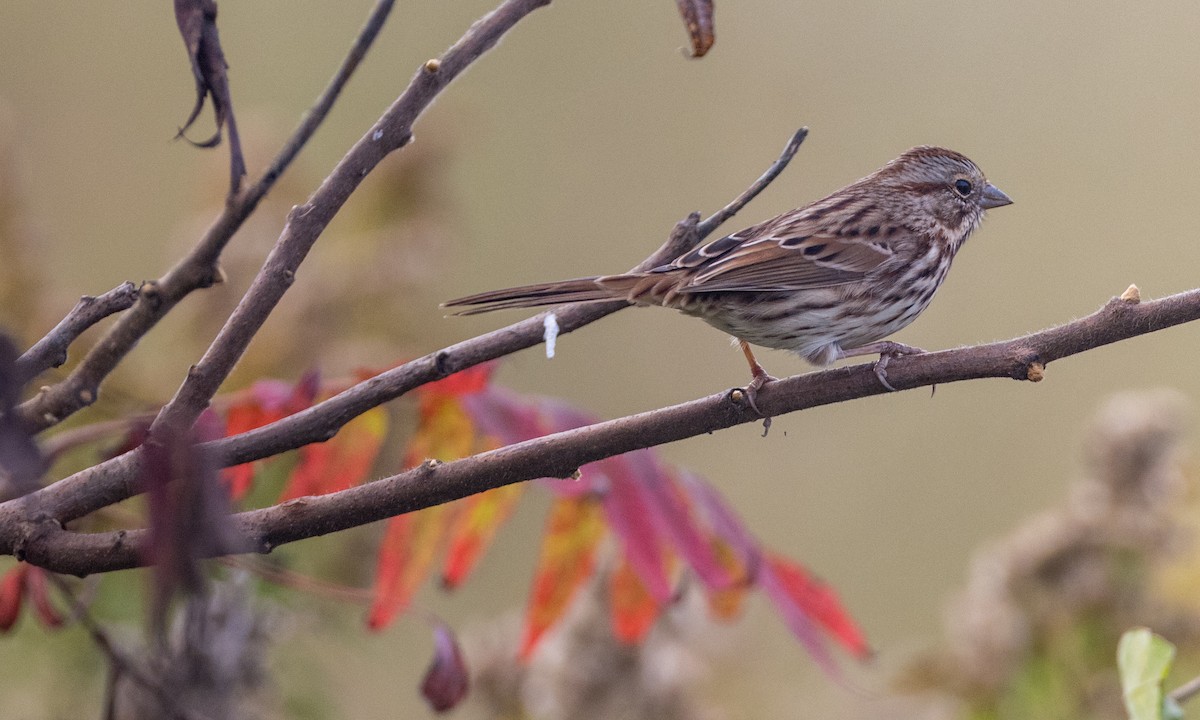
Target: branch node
column 298, row 212
column 432, row 65
column 215, row 275
column 1035, row 371
column 289, row 277
column 151, row 292
column 87, row 396
column 1132, row 295
column 430, row 464
column 441, row 364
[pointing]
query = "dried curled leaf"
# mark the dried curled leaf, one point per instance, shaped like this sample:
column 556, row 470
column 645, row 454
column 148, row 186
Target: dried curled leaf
column 698, row 17
column 197, row 20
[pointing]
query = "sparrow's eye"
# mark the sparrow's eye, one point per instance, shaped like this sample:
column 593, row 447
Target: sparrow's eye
column 962, row 187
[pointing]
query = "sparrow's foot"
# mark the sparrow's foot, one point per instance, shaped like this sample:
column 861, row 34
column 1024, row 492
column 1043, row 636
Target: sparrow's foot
column 760, row 379
column 887, row 349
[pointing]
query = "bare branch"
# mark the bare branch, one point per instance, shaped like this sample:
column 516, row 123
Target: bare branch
column 51, row 351
column 199, row 269
column 44, row 542
column 789, row 151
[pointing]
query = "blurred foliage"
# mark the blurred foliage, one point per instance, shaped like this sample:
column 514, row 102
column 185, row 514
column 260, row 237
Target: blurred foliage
column 1034, row 635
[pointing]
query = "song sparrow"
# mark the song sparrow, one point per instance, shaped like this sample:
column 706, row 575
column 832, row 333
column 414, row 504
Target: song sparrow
column 827, row 281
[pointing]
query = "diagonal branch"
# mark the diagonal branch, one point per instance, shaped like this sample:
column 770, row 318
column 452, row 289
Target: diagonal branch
column 199, row 269
column 51, row 350
column 44, row 542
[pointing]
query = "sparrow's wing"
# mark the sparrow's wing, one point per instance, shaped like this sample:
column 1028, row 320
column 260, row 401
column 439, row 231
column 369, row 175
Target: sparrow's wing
column 788, row 253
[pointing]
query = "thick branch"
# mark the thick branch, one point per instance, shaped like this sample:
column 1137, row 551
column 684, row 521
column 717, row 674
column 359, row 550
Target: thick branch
column 51, row 351
column 199, row 269
column 45, row 543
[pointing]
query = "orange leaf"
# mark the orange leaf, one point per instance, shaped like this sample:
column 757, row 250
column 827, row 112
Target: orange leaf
column 474, row 528
column 446, row 432
column 726, row 603
column 340, row 462
column 573, row 531
column 633, row 609
column 405, row 557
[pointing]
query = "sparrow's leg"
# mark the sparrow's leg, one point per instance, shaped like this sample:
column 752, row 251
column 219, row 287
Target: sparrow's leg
column 759, row 377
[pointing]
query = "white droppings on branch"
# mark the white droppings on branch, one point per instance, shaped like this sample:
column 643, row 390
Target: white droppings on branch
column 551, row 333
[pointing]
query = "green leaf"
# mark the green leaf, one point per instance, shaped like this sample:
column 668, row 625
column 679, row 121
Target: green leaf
column 1143, row 660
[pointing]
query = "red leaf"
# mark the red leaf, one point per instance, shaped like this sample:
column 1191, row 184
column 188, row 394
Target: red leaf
column 446, row 681
column 341, row 462
column 47, row 614
column 465, row 382
column 633, row 609
column 573, row 530
column 474, row 529
column 819, row 601
column 12, row 594
column 265, row 402
column 405, row 558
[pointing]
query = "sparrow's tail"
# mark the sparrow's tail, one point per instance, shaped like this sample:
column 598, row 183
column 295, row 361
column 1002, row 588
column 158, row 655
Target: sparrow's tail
column 631, row 288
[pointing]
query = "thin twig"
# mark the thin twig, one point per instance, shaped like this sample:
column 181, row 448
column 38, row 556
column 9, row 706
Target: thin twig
column 297, row 581
column 1186, row 691
column 198, row 269
column 44, row 542
column 51, row 351
column 789, row 151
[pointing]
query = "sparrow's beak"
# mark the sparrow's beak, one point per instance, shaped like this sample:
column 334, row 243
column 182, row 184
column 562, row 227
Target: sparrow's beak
column 994, row 197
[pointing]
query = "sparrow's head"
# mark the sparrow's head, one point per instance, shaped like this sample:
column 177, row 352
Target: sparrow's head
column 944, row 191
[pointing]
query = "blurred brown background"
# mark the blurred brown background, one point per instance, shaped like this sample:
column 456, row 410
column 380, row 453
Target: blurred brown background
column 571, row 150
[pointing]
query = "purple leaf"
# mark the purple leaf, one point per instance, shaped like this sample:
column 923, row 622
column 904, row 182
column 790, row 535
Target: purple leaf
column 627, row 510
column 446, row 681
column 725, row 523
column 21, row 462
column 189, row 512
column 673, row 515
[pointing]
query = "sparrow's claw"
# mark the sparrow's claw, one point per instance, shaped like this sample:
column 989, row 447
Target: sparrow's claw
column 752, row 389
column 888, row 350
column 881, row 371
